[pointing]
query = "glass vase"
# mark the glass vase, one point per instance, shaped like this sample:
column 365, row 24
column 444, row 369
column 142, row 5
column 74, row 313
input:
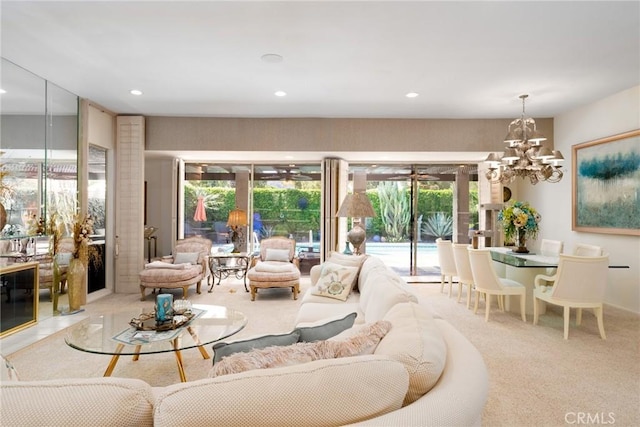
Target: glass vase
column 521, row 243
column 76, row 274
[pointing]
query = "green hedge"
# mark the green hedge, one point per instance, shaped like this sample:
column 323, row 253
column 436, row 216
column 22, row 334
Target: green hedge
column 283, row 211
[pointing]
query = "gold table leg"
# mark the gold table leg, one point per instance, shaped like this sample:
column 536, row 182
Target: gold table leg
column 137, row 355
column 114, row 360
column 203, row 351
column 183, row 377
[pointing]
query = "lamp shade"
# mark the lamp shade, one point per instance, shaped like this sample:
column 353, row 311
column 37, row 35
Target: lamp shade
column 356, row 205
column 237, row 218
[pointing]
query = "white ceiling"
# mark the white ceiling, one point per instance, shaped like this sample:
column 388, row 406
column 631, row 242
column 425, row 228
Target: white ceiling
column 341, row 59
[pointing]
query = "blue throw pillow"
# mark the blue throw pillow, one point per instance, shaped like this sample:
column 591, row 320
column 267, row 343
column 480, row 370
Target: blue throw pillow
column 326, row 330
column 223, row 349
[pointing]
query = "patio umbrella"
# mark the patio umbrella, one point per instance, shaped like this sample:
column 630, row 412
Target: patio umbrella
column 200, row 214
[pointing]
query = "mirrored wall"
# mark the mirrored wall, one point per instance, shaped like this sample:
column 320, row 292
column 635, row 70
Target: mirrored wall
column 38, row 154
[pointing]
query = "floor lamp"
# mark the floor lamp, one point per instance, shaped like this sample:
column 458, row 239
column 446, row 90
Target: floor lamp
column 236, row 222
column 356, row 206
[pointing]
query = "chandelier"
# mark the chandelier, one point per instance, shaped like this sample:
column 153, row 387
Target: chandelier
column 525, row 156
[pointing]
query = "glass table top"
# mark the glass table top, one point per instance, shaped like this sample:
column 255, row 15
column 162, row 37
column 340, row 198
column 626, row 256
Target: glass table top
column 111, row 333
column 508, row 257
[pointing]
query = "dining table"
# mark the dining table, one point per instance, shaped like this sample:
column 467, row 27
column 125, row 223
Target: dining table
column 523, row 268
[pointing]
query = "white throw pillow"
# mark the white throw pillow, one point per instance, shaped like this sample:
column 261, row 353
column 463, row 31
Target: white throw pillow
column 336, row 281
column 186, row 258
column 281, row 255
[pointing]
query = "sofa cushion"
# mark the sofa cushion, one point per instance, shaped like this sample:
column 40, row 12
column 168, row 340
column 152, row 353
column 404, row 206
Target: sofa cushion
column 223, row 349
column 317, row 311
column 416, row 341
column 371, row 269
column 303, row 352
column 325, row 328
column 68, row 402
column 387, row 290
column 321, row 393
column 336, row 281
column 308, row 297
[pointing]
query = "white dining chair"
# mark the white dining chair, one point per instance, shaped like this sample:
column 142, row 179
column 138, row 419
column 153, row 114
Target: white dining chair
column 579, row 283
column 553, row 249
column 488, row 283
column 582, row 249
column 447, row 263
column 463, row 268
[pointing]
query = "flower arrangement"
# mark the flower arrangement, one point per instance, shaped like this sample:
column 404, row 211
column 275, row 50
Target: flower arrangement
column 82, row 231
column 519, row 217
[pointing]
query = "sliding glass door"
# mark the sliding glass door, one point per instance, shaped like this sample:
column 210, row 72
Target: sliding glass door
column 414, row 206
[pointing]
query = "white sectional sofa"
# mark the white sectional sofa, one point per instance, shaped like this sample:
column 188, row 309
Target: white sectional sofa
column 422, row 373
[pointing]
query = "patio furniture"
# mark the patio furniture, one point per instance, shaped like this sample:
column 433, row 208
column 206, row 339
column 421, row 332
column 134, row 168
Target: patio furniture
column 188, row 266
column 277, row 267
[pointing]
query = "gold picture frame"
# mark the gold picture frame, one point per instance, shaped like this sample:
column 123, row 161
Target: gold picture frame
column 606, row 185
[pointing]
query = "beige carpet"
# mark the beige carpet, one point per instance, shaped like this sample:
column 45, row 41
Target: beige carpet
column 536, row 378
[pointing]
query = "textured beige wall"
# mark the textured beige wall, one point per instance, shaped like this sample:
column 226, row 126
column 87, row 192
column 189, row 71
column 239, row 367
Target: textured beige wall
column 330, row 135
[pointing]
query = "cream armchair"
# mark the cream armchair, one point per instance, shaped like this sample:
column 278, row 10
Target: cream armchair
column 579, row 283
column 277, row 267
column 188, row 266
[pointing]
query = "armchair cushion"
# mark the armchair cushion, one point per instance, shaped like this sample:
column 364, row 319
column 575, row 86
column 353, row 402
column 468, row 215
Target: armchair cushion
column 281, row 255
column 162, row 264
column 186, row 258
column 273, row 267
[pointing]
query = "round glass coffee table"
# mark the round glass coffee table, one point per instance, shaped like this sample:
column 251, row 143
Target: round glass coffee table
column 111, row 334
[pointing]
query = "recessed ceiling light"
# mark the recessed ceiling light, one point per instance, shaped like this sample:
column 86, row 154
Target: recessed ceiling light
column 271, row 58
column 3, row 91
column 280, row 93
column 411, row 95
column 135, row 92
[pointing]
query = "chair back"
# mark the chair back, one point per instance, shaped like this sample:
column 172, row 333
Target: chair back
column 463, row 266
column 551, row 248
column 484, row 276
column 277, row 242
column 581, row 279
column 582, row 249
column 445, row 257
